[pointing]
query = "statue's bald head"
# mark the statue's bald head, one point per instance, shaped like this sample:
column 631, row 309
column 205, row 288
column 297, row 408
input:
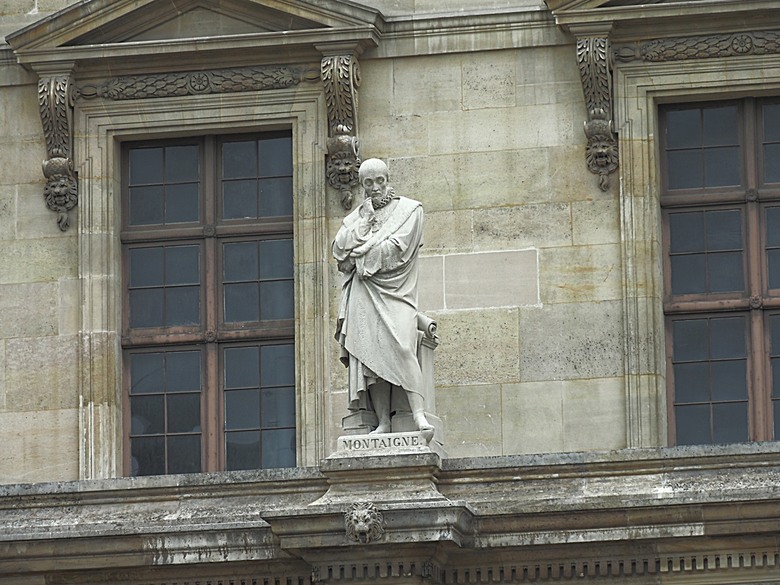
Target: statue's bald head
column 374, row 167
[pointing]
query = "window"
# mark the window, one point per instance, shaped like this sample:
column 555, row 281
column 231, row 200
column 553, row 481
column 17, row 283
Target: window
column 208, row 319
column 721, row 207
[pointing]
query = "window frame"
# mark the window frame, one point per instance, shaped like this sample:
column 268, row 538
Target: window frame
column 102, row 126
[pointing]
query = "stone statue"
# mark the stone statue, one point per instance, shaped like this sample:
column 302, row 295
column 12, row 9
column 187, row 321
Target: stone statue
column 377, row 249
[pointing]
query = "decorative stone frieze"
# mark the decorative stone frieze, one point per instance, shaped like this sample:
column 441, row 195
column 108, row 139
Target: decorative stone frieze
column 55, row 100
column 198, row 82
column 340, row 76
column 601, row 153
column 701, row 47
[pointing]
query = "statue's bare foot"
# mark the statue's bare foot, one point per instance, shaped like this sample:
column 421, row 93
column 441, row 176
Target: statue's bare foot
column 424, row 426
column 383, row 427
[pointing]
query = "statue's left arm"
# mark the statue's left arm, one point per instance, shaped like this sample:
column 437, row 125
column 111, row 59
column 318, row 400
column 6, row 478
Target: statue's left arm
column 397, row 249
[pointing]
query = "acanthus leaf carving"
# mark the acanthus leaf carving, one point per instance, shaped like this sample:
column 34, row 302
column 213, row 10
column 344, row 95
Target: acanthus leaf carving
column 55, row 101
column 601, row 153
column 340, row 76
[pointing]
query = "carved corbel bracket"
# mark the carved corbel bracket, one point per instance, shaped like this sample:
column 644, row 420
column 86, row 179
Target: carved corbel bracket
column 340, row 76
column 55, row 100
column 593, row 59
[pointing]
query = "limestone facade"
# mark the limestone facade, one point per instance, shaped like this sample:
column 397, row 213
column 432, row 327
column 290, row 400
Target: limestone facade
column 541, row 268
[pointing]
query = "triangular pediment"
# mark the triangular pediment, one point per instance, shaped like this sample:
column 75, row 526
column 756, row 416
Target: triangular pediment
column 116, row 28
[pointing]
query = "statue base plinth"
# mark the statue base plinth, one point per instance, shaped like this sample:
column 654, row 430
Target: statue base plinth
column 388, row 444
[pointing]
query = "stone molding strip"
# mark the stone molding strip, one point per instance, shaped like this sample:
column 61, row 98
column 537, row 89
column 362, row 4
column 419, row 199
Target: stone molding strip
column 701, row 47
column 198, row 83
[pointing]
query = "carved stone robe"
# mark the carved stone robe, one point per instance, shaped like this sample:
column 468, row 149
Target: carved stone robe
column 377, row 322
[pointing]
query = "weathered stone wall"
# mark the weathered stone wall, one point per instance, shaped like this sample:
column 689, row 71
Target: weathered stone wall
column 521, row 261
column 39, row 294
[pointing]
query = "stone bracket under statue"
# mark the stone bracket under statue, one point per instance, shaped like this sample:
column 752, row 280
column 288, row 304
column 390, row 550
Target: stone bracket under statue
column 402, row 420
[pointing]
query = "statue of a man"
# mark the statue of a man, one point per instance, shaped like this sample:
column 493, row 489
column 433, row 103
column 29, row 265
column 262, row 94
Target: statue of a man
column 377, row 248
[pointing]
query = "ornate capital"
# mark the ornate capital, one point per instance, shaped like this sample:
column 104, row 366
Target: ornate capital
column 601, row 153
column 340, row 76
column 55, row 100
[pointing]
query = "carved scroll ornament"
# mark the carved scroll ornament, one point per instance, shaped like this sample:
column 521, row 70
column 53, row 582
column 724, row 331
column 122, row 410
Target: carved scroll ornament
column 55, row 100
column 198, row 83
column 601, row 153
column 364, row 522
column 341, row 77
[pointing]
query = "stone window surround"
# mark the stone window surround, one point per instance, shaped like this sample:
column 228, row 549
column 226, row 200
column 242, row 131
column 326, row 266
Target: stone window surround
column 99, row 128
column 638, row 89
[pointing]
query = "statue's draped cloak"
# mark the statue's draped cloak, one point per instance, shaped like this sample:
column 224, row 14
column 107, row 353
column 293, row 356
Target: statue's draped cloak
column 377, row 322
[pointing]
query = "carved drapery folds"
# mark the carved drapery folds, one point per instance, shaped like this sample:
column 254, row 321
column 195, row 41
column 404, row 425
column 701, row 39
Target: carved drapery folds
column 341, row 77
column 601, row 153
column 55, row 99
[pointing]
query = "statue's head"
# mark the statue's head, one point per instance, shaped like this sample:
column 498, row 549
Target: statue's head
column 374, row 178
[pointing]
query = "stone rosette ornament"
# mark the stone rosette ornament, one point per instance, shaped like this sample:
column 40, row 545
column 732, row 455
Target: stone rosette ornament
column 364, row 523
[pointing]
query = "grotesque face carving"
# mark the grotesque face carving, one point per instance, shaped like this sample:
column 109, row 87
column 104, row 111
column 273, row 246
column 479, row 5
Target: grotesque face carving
column 60, row 193
column 374, row 179
column 342, row 170
column 363, row 522
column 601, row 154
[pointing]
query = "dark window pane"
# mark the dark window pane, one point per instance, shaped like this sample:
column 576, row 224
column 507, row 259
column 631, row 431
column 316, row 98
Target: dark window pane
column 771, row 115
column 242, row 367
column 276, row 197
column 776, row 380
column 183, row 373
column 276, row 300
column 184, row 454
column 278, row 407
column 146, row 205
column 242, row 302
column 147, row 415
column 691, row 382
column 727, row 337
column 720, row 126
column 683, row 128
column 146, row 308
column 721, row 167
column 771, row 163
column 182, row 203
column 279, row 448
column 776, row 412
column 277, row 365
column 184, row 413
column 181, row 163
column 275, row 156
column 773, row 266
column 729, row 380
column 724, row 230
column 774, row 330
column 148, row 456
column 242, row 409
column 729, row 423
column 182, row 265
column 688, row 274
column 146, row 166
column 686, row 232
column 725, row 271
column 276, row 259
column 146, row 373
column 240, row 261
column 239, row 199
column 692, row 424
column 242, row 450
column 239, row 159
column 182, row 305
column 685, row 169
column 773, row 226
column 690, row 340
column 146, row 267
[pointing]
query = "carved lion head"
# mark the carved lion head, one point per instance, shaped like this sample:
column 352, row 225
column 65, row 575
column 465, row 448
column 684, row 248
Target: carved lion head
column 363, row 522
